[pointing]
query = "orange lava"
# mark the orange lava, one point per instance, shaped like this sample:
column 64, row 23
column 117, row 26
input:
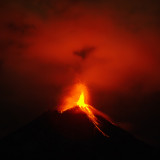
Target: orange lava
column 86, row 108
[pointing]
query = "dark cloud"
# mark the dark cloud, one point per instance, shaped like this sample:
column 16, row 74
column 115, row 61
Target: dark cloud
column 85, row 52
column 20, row 28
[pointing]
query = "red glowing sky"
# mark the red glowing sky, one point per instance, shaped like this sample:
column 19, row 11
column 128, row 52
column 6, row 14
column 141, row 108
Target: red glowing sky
column 112, row 47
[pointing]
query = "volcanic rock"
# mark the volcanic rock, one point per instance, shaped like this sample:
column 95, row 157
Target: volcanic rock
column 71, row 135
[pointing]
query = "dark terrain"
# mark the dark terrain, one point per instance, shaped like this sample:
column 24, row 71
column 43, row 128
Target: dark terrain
column 72, row 135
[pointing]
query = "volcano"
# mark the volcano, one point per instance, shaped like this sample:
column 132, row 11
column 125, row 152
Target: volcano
column 72, row 135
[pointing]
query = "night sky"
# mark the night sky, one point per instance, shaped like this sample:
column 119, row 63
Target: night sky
column 110, row 45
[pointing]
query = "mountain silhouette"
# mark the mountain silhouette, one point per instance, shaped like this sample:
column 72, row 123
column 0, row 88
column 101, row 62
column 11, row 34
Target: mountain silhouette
column 71, row 135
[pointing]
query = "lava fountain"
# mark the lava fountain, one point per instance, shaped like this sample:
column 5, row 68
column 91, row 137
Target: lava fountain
column 71, row 101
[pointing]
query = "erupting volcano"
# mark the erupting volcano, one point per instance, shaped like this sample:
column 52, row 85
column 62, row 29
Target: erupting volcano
column 86, row 108
column 76, row 131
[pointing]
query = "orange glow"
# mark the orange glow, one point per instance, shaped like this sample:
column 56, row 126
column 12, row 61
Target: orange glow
column 86, row 108
column 80, row 102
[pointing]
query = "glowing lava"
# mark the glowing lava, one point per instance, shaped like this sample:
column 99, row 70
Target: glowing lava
column 71, row 102
column 87, row 109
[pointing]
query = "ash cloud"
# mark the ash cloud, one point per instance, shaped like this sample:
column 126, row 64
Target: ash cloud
column 85, row 52
column 43, row 49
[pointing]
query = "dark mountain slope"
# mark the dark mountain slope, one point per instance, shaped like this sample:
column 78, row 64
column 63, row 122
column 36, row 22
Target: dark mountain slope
column 72, row 135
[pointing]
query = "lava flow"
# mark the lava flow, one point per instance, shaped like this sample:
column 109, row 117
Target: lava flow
column 86, row 108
